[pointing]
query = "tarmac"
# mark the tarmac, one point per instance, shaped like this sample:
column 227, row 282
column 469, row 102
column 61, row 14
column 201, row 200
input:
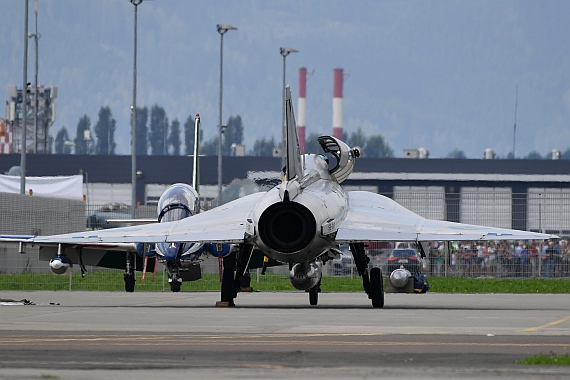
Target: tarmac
column 102, row 335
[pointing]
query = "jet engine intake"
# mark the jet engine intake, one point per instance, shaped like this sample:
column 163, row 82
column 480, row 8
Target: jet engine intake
column 60, row 265
column 304, row 276
column 287, row 227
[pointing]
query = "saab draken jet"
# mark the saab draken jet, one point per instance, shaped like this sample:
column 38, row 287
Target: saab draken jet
column 301, row 222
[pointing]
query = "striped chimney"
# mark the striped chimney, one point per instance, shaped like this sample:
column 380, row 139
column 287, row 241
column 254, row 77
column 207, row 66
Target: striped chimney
column 337, row 104
column 301, row 120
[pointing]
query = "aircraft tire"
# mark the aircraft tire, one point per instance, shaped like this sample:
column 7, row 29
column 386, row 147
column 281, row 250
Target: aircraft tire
column 314, row 295
column 376, row 288
column 175, row 286
column 129, row 284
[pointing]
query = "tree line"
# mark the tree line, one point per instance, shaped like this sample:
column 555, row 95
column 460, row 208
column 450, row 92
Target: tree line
column 533, row 155
column 156, row 135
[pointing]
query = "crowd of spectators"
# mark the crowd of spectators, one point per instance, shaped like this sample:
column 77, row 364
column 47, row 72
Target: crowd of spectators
column 500, row 259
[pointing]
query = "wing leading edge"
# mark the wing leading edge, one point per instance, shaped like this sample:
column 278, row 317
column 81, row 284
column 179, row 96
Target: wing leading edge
column 223, row 224
column 373, row 217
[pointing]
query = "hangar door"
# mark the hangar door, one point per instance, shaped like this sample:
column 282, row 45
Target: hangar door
column 549, row 210
column 427, row 201
column 487, row 206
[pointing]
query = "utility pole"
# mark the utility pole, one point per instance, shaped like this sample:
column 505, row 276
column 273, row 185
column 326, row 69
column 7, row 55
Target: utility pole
column 136, row 3
column 515, row 125
column 24, row 105
column 222, row 29
column 35, row 36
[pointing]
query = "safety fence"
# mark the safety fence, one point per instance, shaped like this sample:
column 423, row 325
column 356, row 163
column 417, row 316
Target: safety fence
column 544, row 210
column 26, row 272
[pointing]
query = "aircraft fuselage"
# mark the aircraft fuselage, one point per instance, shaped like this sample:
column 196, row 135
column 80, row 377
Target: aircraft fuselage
column 296, row 221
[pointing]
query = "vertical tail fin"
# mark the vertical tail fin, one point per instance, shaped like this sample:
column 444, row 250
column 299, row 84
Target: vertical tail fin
column 293, row 167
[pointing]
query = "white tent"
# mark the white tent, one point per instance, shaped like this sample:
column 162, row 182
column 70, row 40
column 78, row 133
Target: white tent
column 69, row 187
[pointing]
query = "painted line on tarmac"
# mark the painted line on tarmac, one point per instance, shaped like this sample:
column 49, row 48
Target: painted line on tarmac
column 138, row 365
column 244, row 340
column 554, row 323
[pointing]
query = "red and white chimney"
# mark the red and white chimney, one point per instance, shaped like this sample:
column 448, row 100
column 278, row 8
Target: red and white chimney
column 337, row 103
column 301, row 119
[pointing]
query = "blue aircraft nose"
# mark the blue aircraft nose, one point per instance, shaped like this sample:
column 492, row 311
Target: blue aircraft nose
column 168, row 251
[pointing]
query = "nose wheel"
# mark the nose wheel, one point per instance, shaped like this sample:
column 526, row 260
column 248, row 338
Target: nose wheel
column 175, row 286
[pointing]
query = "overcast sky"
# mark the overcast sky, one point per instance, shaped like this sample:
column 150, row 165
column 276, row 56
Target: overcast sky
column 435, row 74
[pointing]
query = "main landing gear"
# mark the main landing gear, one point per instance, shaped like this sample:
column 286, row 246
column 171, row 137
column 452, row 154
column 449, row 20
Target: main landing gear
column 231, row 285
column 129, row 275
column 372, row 282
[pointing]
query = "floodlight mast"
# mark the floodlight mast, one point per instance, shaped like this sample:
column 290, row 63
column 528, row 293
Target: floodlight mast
column 24, row 106
column 222, row 29
column 136, row 3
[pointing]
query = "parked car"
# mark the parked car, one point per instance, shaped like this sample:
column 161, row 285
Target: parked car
column 98, row 219
column 407, row 244
column 407, row 257
column 344, row 264
column 379, row 258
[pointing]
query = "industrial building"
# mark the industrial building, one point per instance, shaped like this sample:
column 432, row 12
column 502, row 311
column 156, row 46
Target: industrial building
column 520, row 194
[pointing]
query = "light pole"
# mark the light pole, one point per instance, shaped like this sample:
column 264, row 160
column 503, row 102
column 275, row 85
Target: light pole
column 284, row 52
column 222, row 29
column 24, row 106
column 35, row 36
column 136, row 3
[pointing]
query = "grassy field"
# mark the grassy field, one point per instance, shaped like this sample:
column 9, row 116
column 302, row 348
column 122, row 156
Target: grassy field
column 113, row 281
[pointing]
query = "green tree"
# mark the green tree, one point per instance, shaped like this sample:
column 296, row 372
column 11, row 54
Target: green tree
column 189, row 135
column 158, row 134
column 357, row 139
column 105, row 132
column 142, row 131
column 456, row 153
column 377, row 147
column 534, row 155
column 263, row 147
column 312, row 144
column 233, row 134
column 83, row 139
column 174, row 138
column 210, row 147
column 60, row 142
column 509, row 156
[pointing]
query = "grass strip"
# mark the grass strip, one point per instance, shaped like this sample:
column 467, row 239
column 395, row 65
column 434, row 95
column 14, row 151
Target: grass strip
column 112, row 280
column 542, row 359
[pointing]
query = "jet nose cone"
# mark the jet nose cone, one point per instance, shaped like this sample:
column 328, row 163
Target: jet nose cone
column 169, row 251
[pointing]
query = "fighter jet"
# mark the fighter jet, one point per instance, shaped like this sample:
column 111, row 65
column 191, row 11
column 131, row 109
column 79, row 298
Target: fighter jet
column 181, row 259
column 301, row 222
